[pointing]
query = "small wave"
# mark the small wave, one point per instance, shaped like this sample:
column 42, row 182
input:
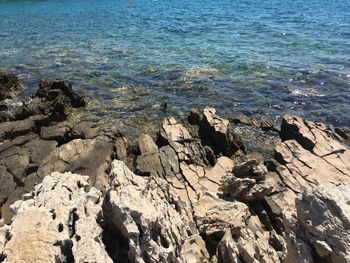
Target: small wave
column 307, row 93
column 200, row 73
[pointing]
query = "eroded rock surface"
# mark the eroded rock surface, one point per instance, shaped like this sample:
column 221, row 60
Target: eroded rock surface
column 39, row 141
column 192, row 156
column 321, row 232
column 247, row 182
column 310, row 154
column 193, row 194
column 153, row 221
column 57, row 222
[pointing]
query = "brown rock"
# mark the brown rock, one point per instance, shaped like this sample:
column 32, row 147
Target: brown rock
column 217, row 132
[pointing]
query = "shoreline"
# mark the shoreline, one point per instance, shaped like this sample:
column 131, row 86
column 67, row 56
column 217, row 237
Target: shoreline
column 205, row 198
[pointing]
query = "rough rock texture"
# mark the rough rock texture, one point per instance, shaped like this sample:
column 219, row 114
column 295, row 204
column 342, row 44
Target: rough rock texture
column 33, row 147
column 53, row 99
column 198, row 156
column 322, row 226
column 9, row 84
column 28, row 158
column 84, row 156
column 309, row 155
column 153, row 221
column 57, row 222
column 192, row 156
column 194, row 194
column 239, row 234
column 247, row 182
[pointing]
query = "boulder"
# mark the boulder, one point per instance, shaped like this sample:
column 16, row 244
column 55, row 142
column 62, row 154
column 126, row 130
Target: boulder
column 247, row 182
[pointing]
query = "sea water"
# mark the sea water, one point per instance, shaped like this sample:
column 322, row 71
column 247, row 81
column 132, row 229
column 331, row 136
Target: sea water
column 138, row 61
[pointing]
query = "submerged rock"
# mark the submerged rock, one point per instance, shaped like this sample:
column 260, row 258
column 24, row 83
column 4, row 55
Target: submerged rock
column 194, row 195
column 53, row 99
column 38, row 142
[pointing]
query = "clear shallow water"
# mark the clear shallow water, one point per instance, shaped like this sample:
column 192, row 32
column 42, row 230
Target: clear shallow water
column 262, row 58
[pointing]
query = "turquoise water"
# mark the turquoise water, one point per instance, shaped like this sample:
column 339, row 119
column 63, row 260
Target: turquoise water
column 263, row 58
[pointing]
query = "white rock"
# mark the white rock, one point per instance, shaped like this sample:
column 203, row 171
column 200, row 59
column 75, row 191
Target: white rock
column 58, row 224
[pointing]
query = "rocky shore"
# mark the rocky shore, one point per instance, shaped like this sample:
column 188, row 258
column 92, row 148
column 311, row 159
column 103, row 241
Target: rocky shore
column 72, row 191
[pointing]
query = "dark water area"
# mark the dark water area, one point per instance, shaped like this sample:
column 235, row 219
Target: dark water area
column 139, row 61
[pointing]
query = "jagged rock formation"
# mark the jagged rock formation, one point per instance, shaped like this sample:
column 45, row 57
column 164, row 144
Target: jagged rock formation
column 309, row 155
column 199, row 169
column 65, row 220
column 38, row 145
column 193, row 194
column 57, row 222
column 236, row 234
column 53, row 99
column 192, row 156
column 321, row 231
column 151, row 218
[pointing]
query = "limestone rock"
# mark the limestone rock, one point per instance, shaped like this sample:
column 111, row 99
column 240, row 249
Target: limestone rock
column 239, row 235
column 248, row 246
column 323, row 216
column 194, row 250
column 215, row 216
column 309, row 155
column 56, row 222
column 88, row 157
column 193, row 156
column 154, row 221
column 216, row 130
column 247, row 182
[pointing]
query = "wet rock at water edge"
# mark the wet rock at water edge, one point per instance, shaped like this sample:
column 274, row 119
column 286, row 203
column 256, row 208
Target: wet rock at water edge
column 9, row 85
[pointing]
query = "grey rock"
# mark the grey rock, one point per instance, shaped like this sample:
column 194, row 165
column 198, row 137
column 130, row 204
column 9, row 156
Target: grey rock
column 247, row 182
column 323, row 223
column 152, row 219
column 87, row 157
